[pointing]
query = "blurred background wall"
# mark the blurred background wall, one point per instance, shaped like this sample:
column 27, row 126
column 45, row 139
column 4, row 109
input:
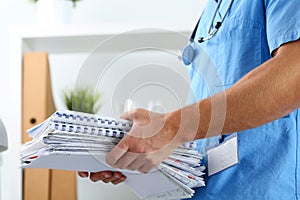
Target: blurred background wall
column 93, row 12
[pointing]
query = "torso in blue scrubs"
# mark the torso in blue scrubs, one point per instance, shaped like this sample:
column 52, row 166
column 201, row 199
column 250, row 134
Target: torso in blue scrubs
column 269, row 156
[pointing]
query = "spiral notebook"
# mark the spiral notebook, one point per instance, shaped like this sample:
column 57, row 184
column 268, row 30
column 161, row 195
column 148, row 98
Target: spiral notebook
column 78, row 141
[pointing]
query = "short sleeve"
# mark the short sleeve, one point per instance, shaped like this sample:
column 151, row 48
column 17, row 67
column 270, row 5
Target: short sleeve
column 282, row 22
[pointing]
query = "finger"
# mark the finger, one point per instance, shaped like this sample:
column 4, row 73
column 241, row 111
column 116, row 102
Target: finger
column 139, row 162
column 146, row 168
column 99, row 176
column 127, row 159
column 115, row 177
column 122, row 179
column 148, row 165
column 132, row 114
column 126, row 116
column 83, row 174
column 116, row 153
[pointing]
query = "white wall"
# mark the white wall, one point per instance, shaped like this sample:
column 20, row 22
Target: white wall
column 21, row 12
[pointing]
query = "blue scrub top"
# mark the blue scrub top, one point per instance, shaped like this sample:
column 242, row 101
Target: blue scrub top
column 269, row 156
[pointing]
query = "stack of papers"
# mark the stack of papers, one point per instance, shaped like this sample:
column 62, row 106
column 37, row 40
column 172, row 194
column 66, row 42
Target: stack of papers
column 77, row 141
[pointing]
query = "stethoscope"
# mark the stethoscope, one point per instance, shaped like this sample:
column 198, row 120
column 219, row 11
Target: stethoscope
column 188, row 52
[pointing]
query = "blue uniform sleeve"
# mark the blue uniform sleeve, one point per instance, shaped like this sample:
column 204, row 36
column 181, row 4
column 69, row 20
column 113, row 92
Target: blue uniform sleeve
column 282, row 22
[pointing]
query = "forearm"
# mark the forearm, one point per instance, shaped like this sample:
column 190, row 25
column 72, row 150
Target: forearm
column 265, row 94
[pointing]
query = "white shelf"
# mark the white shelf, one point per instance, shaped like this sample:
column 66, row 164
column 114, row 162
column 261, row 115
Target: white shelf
column 60, row 40
column 94, row 29
column 83, row 38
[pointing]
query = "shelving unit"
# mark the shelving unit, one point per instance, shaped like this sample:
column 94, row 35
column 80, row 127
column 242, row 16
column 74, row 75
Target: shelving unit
column 59, row 40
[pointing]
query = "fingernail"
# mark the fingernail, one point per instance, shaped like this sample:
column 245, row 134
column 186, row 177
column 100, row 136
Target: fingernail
column 117, row 176
column 93, row 179
column 83, row 175
column 106, row 176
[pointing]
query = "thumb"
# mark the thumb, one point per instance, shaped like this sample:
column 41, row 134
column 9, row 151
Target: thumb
column 126, row 116
column 117, row 152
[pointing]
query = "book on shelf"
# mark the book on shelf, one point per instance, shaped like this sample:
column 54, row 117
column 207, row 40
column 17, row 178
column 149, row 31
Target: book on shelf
column 70, row 140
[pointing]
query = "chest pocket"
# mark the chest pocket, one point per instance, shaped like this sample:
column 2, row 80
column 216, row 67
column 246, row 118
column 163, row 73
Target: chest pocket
column 243, row 53
column 236, row 49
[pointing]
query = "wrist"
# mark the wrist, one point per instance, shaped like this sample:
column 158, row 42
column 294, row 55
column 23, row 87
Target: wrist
column 173, row 122
column 186, row 123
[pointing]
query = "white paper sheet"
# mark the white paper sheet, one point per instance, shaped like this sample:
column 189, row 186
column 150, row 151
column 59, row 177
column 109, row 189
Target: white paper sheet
column 144, row 185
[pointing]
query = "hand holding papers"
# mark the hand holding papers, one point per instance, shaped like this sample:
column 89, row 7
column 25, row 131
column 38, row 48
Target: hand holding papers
column 79, row 141
column 152, row 138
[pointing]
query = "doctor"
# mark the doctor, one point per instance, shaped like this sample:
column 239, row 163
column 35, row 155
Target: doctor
column 256, row 49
